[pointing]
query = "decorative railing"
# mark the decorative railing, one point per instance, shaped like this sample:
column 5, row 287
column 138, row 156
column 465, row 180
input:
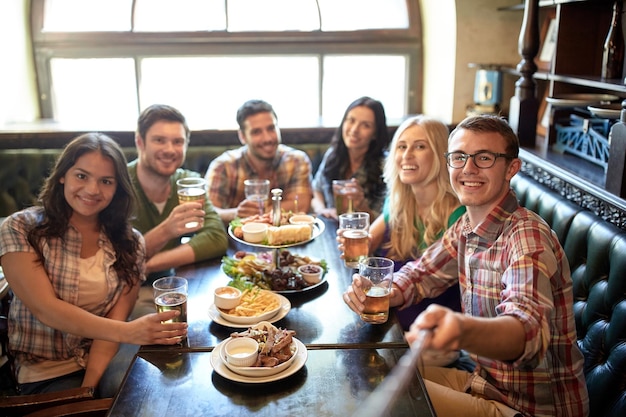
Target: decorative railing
column 584, row 137
column 589, row 196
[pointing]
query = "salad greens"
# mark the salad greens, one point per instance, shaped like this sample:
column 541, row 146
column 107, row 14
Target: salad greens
column 248, row 270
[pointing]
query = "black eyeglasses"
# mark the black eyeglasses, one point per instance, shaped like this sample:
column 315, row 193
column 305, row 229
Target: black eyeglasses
column 482, row 159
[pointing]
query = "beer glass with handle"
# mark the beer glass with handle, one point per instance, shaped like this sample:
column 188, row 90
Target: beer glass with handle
column 343, row 192
column 355, row 233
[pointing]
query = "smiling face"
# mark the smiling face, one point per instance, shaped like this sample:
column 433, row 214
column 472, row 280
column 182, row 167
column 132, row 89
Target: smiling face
column 89, row 186
column 262, row 135
column 480, row 190
column 163, row 148
column 358, row 128
column 414, row 157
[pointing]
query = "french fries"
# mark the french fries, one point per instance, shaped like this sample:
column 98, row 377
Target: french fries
column 255, row 302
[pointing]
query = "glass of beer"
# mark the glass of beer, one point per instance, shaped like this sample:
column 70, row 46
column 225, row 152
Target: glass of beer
column 343, row 191
column 191, row 189
column 170, row 293
column 257, row 190
column 356, row 237
column 378, row 276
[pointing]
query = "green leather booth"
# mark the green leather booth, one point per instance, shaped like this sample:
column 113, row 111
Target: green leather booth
column 596, row 251
column 22, row 171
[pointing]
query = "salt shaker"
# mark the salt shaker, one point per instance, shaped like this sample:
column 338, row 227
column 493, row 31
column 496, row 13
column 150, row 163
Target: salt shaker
column 277, row 196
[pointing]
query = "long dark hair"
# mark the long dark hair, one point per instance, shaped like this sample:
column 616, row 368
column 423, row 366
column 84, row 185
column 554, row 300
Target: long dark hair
column 336, row 166
column 114, row 219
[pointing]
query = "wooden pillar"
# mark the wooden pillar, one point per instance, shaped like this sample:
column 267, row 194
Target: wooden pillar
column 615, row 178
column 524, row 104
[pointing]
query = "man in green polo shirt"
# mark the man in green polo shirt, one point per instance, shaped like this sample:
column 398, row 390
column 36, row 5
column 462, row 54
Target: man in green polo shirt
column 162, row 139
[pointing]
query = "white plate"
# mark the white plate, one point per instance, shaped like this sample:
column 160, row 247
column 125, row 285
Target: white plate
column 607, row 111
column 318, row 228
column 215, row 315
column 221, row 369
column 254, row 319
column 310, row 287
column 258, row 371
column 569, row 100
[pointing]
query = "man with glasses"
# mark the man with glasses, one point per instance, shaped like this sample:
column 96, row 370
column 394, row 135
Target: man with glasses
column 517, row 321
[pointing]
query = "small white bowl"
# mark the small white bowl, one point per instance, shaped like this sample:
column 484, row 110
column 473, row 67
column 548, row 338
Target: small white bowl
column 226, row 297
column 254, row 232
column 241, row 351
column 311, row 273
column 302, row 219
column 264, row 371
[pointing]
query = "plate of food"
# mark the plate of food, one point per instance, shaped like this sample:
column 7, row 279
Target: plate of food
column 256, row 305
column 248, row 269
column 258, row 310
column 221, row 369
column 277, row 349
column 263, row 234
column 572, row 100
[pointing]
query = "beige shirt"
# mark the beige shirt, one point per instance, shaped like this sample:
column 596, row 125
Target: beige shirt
column 92, row 288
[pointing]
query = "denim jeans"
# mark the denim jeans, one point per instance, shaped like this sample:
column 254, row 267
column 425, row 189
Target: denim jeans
column 73, row 380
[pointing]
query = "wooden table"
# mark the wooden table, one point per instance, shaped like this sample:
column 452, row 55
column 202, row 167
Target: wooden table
column 346, row 358
column 332, row 383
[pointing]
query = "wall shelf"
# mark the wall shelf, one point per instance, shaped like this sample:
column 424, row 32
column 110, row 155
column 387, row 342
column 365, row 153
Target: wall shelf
column 542, row 3
column 581, row 29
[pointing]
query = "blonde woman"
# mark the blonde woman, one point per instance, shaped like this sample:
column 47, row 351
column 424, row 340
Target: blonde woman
column 420, row 204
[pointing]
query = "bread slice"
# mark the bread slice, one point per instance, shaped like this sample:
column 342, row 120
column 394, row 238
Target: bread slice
column 290, row 233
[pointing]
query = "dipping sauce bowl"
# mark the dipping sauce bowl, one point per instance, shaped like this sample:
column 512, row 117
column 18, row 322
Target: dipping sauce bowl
column 241, row 351
column 311, row 273
column 254, row 232
column 226, row 298
column 301, row 219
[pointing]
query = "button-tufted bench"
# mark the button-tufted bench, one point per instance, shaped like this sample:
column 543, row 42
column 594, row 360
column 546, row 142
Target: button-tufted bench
column 22, row 171
column 596, row 251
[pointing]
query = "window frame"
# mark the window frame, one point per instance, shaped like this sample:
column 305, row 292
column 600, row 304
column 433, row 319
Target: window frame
column 137, row 45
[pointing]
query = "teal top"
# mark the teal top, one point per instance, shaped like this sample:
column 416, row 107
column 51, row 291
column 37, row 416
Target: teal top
column 454, row 216
column 450, row 298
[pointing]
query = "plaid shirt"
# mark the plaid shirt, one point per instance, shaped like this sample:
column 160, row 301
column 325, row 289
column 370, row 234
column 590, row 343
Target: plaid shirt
column 30, row 339
column 511, row 264
column 291, row 172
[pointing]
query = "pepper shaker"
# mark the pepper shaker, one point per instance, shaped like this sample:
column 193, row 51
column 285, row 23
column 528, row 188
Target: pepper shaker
column 277, row 196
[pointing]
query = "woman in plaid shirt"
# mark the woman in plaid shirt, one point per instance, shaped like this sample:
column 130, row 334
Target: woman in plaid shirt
column 75, row 265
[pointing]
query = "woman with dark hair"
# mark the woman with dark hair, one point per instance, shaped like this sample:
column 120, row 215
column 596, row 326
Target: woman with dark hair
column 75, row 265
column 357, row 151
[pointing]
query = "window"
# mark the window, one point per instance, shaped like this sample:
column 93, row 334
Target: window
column 101, row 61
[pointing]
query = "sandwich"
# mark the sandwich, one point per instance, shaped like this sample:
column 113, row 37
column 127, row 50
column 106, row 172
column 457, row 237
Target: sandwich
column 290, row 233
